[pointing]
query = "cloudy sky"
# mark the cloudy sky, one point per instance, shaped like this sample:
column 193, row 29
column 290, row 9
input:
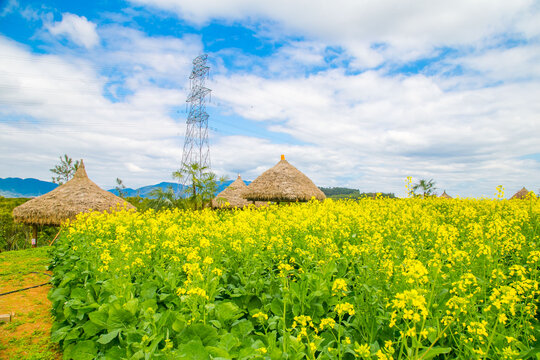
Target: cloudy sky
column 355, row 93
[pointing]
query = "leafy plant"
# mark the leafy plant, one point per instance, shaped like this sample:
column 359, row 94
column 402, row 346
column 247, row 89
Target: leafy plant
column 424, row 188
column 202, row 185
column 375, row 278
column 65, row 170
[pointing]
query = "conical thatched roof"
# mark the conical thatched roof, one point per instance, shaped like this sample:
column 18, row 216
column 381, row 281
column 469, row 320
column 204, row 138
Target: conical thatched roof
column 283, row 182
column 232, row 195
column 521, row 194
column 445, row 195
column 66, row 201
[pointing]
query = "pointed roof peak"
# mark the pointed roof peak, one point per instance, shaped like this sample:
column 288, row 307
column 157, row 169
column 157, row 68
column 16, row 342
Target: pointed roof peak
column 81, row 171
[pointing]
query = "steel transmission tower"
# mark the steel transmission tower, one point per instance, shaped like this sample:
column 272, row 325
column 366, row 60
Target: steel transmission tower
column 196, row 148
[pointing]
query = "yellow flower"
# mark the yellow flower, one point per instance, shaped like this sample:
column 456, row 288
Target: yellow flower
column 260, row 316
column 327, row 322
column 341, row 309
column 339, row 286
column 362, row 350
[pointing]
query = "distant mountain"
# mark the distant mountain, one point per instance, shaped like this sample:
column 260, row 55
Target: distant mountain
column 17, row 187
column 146, row 190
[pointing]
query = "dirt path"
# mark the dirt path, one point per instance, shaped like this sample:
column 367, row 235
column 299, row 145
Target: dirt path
column 27, row 335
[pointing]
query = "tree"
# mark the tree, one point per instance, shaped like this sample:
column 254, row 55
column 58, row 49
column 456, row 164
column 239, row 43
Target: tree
column 203, row 184
column 165, row 199
column 426, row 187
column 120, row 187
column 65, row 171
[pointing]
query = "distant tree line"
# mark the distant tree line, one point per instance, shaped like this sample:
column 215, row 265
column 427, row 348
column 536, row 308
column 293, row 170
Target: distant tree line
column 347, row 193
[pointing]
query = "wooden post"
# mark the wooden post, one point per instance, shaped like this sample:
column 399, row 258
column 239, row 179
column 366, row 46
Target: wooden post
column 34, row 236
column 52, row 242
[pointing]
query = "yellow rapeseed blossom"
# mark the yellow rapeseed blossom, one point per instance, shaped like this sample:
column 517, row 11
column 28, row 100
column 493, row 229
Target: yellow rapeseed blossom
column 460, row 271
column 344, row 308
column 339, row 287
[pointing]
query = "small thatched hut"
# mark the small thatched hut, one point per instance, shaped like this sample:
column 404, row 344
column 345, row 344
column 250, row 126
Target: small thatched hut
column 521, row 194
column 66, row 201
column 231, row 195
column 445, row 195
column 283, row 183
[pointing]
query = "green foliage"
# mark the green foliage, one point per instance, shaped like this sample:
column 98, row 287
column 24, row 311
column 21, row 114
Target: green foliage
column 203, row 185
column 65, row 171
column 346, row 193
column 363, row 195
column 14, row 236
column 424, row 188
column 333, row 191
column 165, row 199
column 142, row 204
column 266, row 283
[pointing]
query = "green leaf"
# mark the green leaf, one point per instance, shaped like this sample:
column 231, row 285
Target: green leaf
column 242, row 328
column 60, row 334
column 107, row 338
column 206, row 333
column 84, row 350
column 91, row 329
column 119, row 318
column 432, row 352
column 193, row 350
column 277, row 307
column 227, row 311
column 229, row 342
column 99, row 318
column 217, row 352
column 73, row 334
column 180, row 323
column 115, row 353
column 132, row 306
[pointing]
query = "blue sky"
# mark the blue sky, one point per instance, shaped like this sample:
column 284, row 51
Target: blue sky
column 357, row 94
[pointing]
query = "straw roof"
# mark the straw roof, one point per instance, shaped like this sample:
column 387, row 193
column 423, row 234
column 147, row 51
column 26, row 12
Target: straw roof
column 232, row 194
column 445, row 195
column 521, row 194
column 75, row 196
column 283, row 182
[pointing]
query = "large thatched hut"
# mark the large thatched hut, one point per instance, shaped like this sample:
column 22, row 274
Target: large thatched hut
column 521, row 194
column 283, row 183
column 444, row 195
column 231, row 197
column 77, row 195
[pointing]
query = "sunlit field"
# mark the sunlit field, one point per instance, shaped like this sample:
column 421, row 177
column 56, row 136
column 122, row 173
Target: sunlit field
column 372, row 279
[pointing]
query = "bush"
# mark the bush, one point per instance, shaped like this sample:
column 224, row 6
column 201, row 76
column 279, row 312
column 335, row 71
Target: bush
column 15, row 236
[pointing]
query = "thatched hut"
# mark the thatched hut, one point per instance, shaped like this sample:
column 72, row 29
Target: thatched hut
column 444, row 195
column 283, row 183
column 77, row 195
column 232, row 195
column 521, row 194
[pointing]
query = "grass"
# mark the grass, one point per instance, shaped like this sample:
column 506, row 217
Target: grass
column 28, row 335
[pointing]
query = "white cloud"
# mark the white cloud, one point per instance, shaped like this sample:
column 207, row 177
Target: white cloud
column 371, row 130
column 54, row 104
column 77, row 29
column 406, row 30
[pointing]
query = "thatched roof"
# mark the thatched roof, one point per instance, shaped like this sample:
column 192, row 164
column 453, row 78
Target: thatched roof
column 232, row 195
column 66, row 201
column 521, row 194
column 445, row 195
column 283, row 182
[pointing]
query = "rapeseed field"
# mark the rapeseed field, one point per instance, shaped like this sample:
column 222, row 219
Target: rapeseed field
column 370, row 279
